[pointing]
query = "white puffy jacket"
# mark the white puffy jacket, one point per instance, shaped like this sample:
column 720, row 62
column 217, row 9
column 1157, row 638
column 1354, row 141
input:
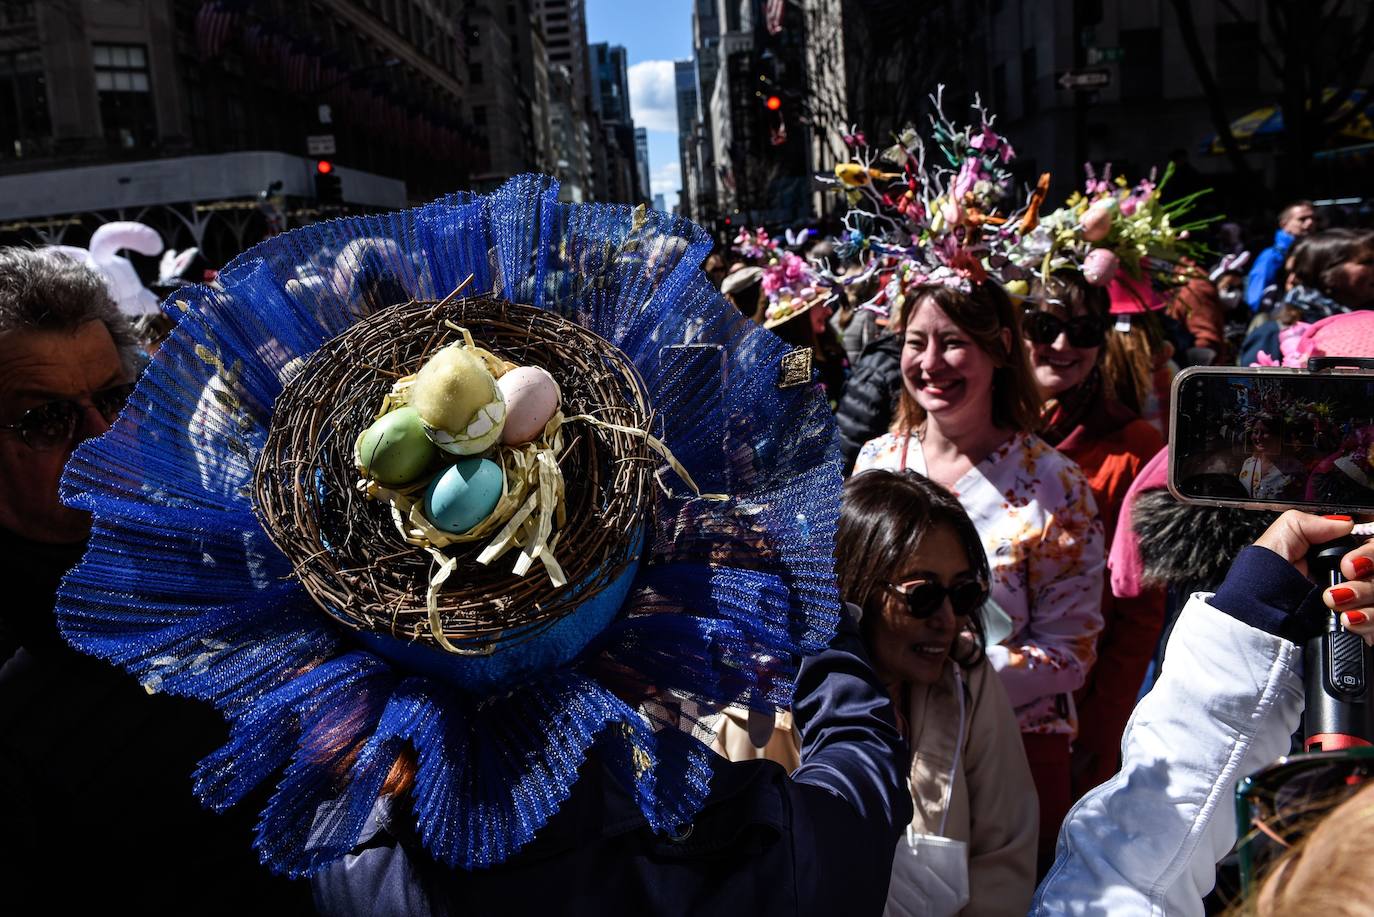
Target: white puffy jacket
column 1147, row 841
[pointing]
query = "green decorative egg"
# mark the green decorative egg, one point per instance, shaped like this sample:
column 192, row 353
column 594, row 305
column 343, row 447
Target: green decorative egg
column 395, row 450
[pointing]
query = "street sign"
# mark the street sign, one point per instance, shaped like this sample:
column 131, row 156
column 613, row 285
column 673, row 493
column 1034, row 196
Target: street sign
column 319, row 145
column 1084, row 80
column 1105, row 56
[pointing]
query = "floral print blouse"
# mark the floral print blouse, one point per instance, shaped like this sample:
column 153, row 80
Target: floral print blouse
column 1040, row 527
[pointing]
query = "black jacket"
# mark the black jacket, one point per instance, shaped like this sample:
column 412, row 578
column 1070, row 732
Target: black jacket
column 96, row 777
column 818, row 842
column 870, row 396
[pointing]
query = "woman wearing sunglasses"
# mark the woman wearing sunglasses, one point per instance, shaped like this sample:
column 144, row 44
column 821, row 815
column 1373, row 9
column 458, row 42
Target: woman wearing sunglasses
column 1065, row 328
column 911, row 559
column 965, row 419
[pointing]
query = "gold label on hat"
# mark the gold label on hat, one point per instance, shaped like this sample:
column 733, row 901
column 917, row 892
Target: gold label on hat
column 795, row 368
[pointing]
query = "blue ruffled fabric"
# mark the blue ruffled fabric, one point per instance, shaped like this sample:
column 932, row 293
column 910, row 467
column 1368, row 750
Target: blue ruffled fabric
column 181, row 586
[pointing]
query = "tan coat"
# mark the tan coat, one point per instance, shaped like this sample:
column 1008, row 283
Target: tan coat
column 992, row 806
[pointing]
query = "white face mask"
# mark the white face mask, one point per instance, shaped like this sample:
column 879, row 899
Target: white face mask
column 1230, row 297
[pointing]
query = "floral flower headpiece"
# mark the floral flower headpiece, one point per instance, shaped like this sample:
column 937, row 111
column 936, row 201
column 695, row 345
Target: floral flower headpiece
column 755, row 245
column 929, row 217
column 1112, row 227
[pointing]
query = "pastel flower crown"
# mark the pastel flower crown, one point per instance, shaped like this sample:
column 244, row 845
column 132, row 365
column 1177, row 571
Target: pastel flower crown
column 929, row 215
column 1111, row 227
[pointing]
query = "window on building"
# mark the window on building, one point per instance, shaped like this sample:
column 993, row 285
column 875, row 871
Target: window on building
column 475, row 74
column 479, row 115
column 1142, row 64
column 1030, row 95
column 25, row 128
column 1237, row 59
column 16, row 12
column 126, row 102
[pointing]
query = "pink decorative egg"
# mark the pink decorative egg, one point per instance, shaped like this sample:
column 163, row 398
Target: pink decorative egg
column 1100, row 266
column 1097, row 222
column 532, row 398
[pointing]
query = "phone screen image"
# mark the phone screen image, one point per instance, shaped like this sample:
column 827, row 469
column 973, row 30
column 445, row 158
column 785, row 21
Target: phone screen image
column 1274, row 439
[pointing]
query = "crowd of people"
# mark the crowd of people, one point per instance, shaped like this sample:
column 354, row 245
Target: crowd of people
column 1010, row 561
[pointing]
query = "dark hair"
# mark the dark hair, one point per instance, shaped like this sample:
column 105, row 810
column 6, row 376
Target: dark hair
column 1288, row 209
column 1315, row 258
column 981, row 314
column 47, row 291
column 1073, row 290
column 884, row 517
column 746, row 299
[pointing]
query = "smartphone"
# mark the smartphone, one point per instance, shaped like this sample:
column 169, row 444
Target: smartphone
column 1270, row 438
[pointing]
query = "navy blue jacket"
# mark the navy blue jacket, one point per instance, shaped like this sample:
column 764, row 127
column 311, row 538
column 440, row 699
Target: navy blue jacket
column 818, row 842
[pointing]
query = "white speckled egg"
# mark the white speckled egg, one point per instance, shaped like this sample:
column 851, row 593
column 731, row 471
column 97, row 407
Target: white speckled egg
column 464, row 494
column 531, row 397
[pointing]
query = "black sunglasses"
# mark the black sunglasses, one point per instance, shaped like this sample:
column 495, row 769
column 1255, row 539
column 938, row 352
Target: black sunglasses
column 1277, row 805
column 1083, row 331
column 925, row 598
column 53, row 425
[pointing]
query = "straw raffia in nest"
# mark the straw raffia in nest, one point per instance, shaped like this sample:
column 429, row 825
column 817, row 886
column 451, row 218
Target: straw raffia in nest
column 346, row 549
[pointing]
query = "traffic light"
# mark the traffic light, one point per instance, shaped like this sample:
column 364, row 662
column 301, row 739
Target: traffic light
column 328, row 186
column 772, row 103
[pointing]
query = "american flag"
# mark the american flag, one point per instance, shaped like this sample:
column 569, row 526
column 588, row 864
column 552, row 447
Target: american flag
column 772, row 15
column 777, row 134
column 214, row 23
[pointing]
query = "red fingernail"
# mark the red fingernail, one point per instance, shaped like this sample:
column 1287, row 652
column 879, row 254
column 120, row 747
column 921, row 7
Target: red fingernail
column 1338, row 518
column 1356, row 617
column 1362, row 566
column 1340, row 595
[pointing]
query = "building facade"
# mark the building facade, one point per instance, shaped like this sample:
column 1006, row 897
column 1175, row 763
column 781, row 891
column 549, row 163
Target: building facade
column 181, row 113
column 685, row 84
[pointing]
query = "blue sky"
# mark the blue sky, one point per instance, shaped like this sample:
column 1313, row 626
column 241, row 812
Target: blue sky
column 654, row 35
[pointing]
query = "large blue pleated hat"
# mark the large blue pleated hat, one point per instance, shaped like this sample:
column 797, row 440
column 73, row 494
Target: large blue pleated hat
column 705, row 593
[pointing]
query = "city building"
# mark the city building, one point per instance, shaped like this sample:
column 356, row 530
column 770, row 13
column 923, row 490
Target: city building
column 508, row 91
column 578, row 140
column 758, row 131
column 181, row 112
column 642, row 162
column 685, row 83
column 617, row 163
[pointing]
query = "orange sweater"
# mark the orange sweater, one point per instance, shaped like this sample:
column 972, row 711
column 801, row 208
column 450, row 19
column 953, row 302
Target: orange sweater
column 1111, row 448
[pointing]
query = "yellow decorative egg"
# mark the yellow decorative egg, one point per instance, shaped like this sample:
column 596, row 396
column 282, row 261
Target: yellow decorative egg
column 458, row 401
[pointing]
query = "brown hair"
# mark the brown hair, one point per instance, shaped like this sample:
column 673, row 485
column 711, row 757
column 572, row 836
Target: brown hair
column 1327, row 872
column 981, row 314
column 1128, row 360
column 1316, row 258
column 883, row 518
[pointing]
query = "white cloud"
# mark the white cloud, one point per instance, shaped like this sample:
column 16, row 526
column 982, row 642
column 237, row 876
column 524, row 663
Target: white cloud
column 666, row 179
column 653, row 95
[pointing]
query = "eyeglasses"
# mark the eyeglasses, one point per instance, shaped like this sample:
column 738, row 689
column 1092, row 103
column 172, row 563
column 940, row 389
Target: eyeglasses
column 53, row 425
column 1277, row 805
column 1083, row 331
column 925, row 598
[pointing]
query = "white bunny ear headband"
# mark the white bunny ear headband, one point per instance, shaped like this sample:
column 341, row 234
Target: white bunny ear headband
column 122, row 281
column 1236, row 262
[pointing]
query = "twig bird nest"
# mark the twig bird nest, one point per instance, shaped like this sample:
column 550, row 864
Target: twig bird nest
column 357, row 556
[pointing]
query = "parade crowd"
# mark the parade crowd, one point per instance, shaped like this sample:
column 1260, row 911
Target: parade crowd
column 1013, row 565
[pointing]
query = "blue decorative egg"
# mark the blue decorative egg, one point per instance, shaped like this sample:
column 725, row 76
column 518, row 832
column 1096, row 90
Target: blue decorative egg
column 464, row 494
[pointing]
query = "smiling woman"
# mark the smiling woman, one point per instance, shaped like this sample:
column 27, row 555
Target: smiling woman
column 909, row 556
column 965, row 419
